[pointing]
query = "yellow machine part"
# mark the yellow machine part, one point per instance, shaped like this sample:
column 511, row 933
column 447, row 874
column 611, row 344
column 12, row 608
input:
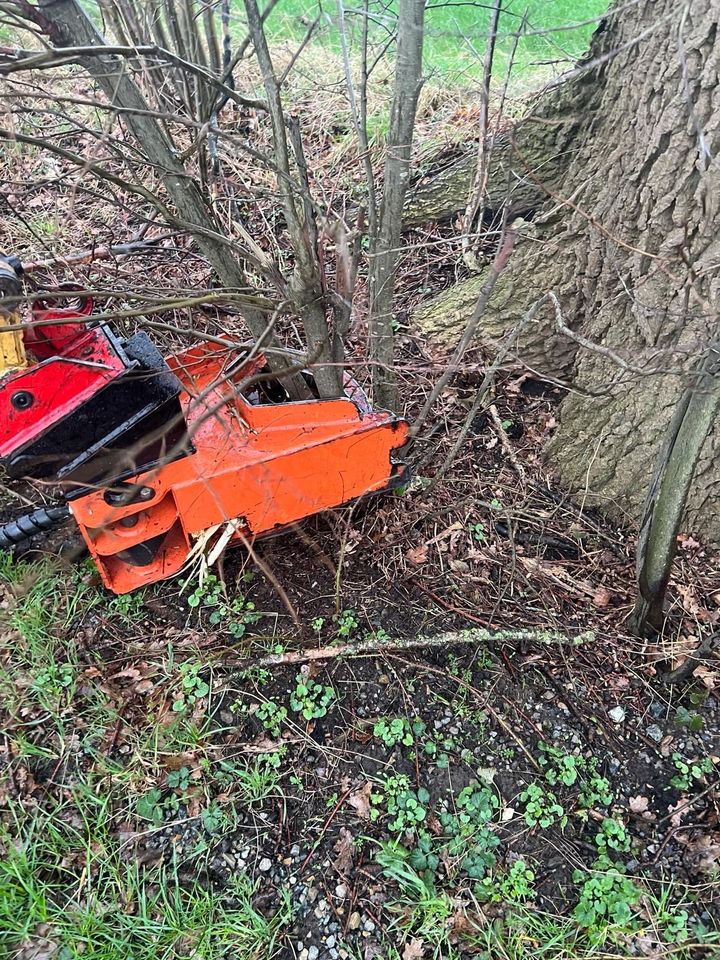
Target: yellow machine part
column 12, row 349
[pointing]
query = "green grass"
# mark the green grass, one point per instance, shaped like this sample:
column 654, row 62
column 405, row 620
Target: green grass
column 456, row 34
column 65, row 884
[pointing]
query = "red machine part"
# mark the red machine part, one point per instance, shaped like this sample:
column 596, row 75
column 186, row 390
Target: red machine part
column 262, row 465
column 75, row 361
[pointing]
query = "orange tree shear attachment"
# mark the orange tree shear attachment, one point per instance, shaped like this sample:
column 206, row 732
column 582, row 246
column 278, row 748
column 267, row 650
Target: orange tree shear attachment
column 260, row 463
column 150, row 453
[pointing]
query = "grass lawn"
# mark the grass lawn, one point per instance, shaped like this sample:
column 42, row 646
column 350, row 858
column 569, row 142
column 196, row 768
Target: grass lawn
column 456, row 33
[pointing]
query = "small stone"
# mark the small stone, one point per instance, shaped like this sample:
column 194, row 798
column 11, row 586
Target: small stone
column 303, row 955
column 295, row 850
column 631, row 866
column 654, row 732
column 334, row 954
column 300, row 946
column 330, row 942
column 369, row 926
column 617, row 714
column 341, row 891
column 265, row 865
column 384, row 679
column 354, row 921
column 313, row 953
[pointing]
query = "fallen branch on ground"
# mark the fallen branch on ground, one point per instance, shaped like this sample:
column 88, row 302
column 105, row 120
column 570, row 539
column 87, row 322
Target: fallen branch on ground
column 453, row 638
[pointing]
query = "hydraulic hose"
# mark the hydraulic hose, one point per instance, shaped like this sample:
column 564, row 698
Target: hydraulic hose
column 39, row 521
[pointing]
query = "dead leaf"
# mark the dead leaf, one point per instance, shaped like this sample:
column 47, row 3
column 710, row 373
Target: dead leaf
column 414, row 949
column 39, row 945
column 601, row 597
column 638, row 804
column 647, row 946
column 464, row 925
column 688, row 543
column 178, row 760
column 434, row 825
column 359, row 800
column 129, row 673
column 345, row 850
column 418, row 555
column 454, row 528
column 703, row 853
column 709, row 678
column 691, row 603
column 677, row 811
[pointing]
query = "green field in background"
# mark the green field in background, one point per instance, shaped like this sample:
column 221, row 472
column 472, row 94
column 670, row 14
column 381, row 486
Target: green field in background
column 456, row 32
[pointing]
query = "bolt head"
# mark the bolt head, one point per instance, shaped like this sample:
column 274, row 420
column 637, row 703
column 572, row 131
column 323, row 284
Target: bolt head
column 22, row 400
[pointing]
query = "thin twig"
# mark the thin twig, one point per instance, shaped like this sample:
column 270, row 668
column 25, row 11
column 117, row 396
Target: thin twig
column 375, row 647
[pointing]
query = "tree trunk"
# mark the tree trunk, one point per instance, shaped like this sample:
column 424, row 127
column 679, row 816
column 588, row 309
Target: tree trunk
column 667, row 496
column 628, row 241
column 385, row 252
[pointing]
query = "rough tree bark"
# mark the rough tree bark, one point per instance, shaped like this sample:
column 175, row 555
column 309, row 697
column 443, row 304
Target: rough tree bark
column 627, row 238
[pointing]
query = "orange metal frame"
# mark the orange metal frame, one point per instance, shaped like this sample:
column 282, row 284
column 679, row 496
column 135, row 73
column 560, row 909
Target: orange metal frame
column 262, row 465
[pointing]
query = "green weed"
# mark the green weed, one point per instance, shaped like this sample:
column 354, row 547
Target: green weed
column 606, row 899
column 398, row 730
column 612, row 835
column 346, row 623
column 542, row 807
column 421, row 910
column 688, row 772
column 272, row 716
column 310, row 698
column 455, row 35
column 560, row 767
column 405, row 808
column 516, row 886
column 234, row 616
column 191, row 687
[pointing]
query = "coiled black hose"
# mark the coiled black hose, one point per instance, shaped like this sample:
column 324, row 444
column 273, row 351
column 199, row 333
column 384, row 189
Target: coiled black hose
column 40, row 520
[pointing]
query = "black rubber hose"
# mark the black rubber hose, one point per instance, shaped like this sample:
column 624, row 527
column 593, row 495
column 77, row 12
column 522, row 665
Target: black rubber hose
column 39, row 521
